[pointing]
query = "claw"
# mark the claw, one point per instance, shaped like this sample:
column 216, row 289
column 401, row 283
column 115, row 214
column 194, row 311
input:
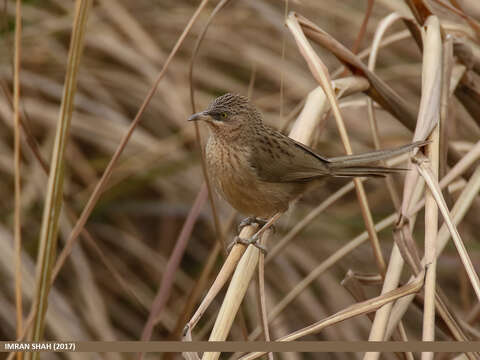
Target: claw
column 236, row 240
column 252, row 241
column 249, row 221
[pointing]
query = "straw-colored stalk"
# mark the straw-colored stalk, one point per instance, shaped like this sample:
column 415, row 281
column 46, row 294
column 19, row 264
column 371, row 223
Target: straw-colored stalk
column 426, row 172
column 431, row 229
column 224, row 274
column 236, row 291
column 262, row 305
column 433, row 66
column 392, row 278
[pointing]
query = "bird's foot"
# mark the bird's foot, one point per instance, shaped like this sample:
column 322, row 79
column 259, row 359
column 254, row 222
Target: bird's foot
column 249, row 221
column 252, row 241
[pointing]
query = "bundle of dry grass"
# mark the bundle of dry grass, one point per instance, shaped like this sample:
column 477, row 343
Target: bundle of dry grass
column 108, row 222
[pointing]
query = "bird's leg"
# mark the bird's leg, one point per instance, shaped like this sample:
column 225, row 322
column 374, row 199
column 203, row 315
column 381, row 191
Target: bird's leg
column 253, row 240
column 249, row 221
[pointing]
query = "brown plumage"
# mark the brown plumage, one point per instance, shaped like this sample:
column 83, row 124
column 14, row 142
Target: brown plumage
column 259, row 171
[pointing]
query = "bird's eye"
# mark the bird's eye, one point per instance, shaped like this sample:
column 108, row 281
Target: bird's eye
column 223, row 115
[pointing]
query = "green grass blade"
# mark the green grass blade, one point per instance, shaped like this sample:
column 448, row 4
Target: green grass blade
column 53, row 202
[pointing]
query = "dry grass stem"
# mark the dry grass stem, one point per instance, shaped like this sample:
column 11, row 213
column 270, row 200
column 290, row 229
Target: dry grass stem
column 426, row 171
column 392, row 278
column 262, row 306
column 235, row 293
column 224, row 274
column 429, row 117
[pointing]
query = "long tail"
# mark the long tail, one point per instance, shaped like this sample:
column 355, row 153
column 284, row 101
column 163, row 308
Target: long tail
column 360, row 171
column 369, row 157
column 355, row 165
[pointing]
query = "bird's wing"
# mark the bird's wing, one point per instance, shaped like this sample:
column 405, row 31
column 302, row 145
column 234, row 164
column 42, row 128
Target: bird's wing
column 278, row 158
column 308, row 150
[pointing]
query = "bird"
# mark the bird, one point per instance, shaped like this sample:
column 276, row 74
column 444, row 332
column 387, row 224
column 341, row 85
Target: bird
column 259, row 171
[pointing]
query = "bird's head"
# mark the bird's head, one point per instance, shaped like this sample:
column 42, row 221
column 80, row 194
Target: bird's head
column 229, row 114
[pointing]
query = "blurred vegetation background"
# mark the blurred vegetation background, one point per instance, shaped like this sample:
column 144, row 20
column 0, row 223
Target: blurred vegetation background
column 107, row 286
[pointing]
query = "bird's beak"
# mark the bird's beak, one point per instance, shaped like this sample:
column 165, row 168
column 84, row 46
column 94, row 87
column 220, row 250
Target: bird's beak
column 199, row 116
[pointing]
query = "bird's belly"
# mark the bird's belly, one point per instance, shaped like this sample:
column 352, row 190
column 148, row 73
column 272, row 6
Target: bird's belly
column 254, row 198
column 237, row 183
